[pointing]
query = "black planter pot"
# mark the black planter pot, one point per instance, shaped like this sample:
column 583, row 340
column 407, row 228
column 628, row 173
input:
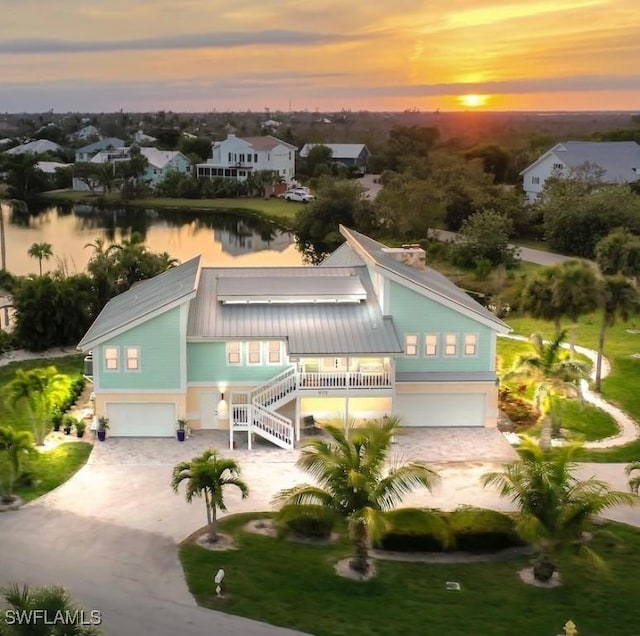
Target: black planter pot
column 79, row 434
column 102, row 435
column 180, row 435
column 67, row 430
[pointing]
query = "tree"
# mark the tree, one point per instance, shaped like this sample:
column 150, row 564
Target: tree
column 89, row 173
column 208, row 476
column 619, row 253
column 556, row 375
column 618, row 298
column 41, row 251
column 318, row 162
column 23, row 177
column 38, row 390
column 485, row 235
column 555, row 507
column 634, row 482
column 51, row 601
column 14, row 445
column 338, row 202
column 355, row 481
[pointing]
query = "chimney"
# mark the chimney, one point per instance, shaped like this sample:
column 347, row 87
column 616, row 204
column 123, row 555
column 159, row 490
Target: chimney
column 410, row 254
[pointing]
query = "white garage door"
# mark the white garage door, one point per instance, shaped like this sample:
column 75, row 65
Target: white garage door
column 441, row 409
column 141, row 420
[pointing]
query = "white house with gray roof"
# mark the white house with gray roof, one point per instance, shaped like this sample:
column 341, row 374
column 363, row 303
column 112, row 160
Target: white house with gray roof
column 619, row 161
column 237, row 158
column 257, row 350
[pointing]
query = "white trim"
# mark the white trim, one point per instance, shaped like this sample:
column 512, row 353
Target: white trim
column 104, row 357
column 431, row 356
column 268, row 353
column 184, row 321
column 445, row 344
column 226, row 353
column 247, row 345
column 137, row 358
column 406, row 345
column 138, row 391
column 476, row 345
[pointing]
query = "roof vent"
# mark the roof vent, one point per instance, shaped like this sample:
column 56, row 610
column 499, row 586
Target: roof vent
column 409, row 254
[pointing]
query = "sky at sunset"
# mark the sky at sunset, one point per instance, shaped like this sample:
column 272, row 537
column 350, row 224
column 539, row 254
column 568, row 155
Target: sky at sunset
column 201, row 55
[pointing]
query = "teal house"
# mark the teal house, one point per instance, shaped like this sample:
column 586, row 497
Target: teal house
column 369, row 332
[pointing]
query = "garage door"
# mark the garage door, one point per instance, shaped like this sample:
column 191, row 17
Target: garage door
column 441, row 409
column 141, row 420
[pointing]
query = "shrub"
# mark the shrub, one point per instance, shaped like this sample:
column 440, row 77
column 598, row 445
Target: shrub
column 313, row 523
column 479, row 530
column 416, row 530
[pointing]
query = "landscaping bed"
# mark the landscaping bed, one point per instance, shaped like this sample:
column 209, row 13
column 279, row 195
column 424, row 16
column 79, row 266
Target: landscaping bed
column 295, row 585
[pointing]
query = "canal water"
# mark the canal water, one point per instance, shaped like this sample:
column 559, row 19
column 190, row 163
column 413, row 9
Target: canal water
column 223, row 238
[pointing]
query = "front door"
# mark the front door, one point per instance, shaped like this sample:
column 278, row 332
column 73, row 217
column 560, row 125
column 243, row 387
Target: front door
column 209, row 404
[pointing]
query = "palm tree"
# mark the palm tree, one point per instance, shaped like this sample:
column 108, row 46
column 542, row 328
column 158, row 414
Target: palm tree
column 619, row 298
column 15, row 445
column 555, row 506
column 556, row 374
column 51, row 601
column 354, row 482
column 38, row 390
column 41, row 251
column 634, row 482
column 208, row 475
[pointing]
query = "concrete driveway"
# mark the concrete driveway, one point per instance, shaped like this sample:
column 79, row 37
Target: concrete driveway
column 110, row 533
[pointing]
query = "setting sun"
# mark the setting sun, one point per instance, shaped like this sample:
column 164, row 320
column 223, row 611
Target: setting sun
column 473, row 101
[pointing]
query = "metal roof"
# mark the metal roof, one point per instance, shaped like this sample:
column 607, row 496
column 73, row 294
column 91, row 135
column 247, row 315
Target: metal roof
column 431, row 281
column 142, row 301
column 344, row 256
column 102, row 144
column 338, row 151
column 290, row 289
column 310, row 328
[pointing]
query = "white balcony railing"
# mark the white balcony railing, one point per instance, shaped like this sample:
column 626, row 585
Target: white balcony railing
column 344, row 379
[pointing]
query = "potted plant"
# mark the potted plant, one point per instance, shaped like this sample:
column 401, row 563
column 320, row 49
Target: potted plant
column 67, row 424
column 81, row 425
column 56, row 418
column 181, row 431
column 103, row 425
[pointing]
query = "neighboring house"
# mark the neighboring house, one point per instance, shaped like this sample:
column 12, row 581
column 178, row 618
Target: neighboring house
column 356, row 155
column 237, row 157
column 6, row 141
column 86, row 153
column 50, row 167
column 161, row 163
column 88, row 132
column 243, row 240
column 255, row 350
column 142, row 138
column 619, row 161
column 37, row 147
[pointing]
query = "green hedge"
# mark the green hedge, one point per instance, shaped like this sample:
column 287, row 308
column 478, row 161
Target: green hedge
column 312, row 522
column 467, row 529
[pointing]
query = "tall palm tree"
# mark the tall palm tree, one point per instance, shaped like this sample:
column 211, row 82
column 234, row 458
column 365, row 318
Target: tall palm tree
column 634, row 482
column 41, row 251
column 49, row 600
column 14, row 445
column 555, row 506
column 38, row 390
column 208, row 475
column 355, row 482
column 619, row 297
column 555, row 373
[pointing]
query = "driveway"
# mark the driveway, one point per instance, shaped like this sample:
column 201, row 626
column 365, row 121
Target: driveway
column 109, row 534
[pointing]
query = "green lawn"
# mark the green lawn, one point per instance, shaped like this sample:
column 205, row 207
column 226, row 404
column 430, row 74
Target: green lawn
column 273, row 208
column 620, row 387
column 18, row 419
column 51, row 468
column 294, row 585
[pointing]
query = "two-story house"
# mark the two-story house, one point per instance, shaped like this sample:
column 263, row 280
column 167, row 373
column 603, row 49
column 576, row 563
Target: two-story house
column 86, row 153
column 618, row 160
column 255, row 350
column 355, row 155
column 237, row 157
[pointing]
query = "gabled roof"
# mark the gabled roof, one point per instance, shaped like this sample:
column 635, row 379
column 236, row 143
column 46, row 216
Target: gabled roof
column 351, row 328
column 266, row 142
column 143, row 301
column 39, row 146
column 102, row 144
column 430, row 283
column 617, row 158
column 160, row 158
column 338, row 151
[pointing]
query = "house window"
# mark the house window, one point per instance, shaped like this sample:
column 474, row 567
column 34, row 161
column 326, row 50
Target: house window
column 234, row 355
column 411, row 345
column 431, row 345
column 255, row 158
column 275, row 352
column 451, row 344
column 230, row 157
column 111, row 358
column 535, row 180
column 557, row 166
column 254, row 352
column 470, row 344
column 133, row 358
